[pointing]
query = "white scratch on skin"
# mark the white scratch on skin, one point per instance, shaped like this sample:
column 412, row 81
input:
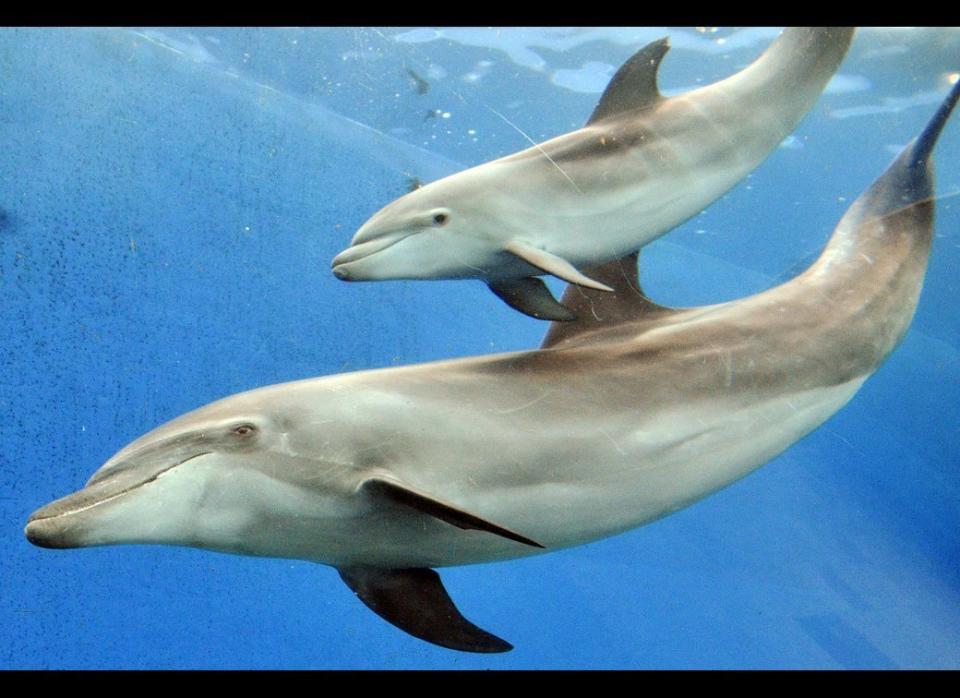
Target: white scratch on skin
column 482, row 272
column 869, row 259
column 614, row 442
column 726, row 358
column 523, row 406
column 323, row 477
column 589, row 300
column 374, row 447
column 537, row 146
column 320, row 422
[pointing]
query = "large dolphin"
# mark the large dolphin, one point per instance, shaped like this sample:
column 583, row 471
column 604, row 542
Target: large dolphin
column 642, row 165
column 624, row 416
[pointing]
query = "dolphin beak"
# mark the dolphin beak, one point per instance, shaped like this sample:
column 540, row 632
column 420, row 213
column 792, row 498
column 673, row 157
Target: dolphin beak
column 60, row 524
column 48, row 529
column 356, row 252
column 64, row 522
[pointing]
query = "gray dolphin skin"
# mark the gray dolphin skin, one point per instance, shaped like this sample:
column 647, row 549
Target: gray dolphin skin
column 642, row 165
column 622, row 417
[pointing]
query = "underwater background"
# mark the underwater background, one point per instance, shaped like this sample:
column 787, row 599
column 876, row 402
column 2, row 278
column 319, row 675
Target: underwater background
column 170, row 201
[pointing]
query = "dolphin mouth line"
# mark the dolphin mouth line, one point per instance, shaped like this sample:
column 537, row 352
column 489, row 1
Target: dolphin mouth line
column 122, row 492
column 355, row 253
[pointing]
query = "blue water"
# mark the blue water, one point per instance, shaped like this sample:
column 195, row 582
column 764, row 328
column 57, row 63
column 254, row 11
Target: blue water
column 169, row 204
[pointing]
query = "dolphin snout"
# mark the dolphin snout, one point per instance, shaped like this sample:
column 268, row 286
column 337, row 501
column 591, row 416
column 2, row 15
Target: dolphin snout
column 340, row 272
column 48, row 533
column 57, row 525
column 66, row 522
column 357, row 252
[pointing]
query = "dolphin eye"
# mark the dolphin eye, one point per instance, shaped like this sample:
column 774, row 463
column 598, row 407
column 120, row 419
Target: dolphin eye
column 244, row 429
column 440, row 218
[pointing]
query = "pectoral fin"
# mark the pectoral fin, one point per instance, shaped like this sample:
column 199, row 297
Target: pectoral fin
column 415, row 601
column 531, row 297
column 400, row 493
column 552, row 264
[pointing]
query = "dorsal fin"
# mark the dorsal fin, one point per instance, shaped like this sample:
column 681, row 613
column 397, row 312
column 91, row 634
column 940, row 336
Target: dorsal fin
column 596, row 309
column 635, row 84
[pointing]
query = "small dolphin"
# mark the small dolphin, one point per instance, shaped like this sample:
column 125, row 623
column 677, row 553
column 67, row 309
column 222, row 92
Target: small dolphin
column 642, row 165
column 624, row 416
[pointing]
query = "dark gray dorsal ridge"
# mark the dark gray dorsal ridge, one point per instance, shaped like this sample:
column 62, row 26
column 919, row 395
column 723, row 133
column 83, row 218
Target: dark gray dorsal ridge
column 407, row 496
column 415, row 601
column 597, row 309
column 531, row 297
column 635, row 84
